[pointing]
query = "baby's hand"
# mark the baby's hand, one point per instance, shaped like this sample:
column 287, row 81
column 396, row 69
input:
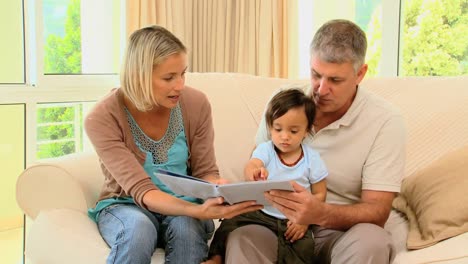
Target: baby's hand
column 295, row 231
column 260, row 174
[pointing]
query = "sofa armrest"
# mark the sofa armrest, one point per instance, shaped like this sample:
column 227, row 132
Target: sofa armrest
column 68, row 236
column 69, row 182
column 65, row 236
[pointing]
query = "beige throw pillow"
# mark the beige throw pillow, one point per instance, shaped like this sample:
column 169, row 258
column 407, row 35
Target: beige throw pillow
column 435, row 200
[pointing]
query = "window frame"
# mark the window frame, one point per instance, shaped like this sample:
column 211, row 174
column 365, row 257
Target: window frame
column 70, row 82
column 40, row 88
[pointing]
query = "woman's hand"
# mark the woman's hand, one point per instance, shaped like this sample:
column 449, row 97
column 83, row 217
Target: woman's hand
column 295, row 231
column 215, row 180
column 214, row 208
column 221, row 181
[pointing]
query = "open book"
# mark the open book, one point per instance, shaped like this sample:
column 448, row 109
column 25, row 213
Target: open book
column 232, row 192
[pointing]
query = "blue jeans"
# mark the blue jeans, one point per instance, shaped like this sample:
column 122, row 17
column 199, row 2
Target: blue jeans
column 133, row 234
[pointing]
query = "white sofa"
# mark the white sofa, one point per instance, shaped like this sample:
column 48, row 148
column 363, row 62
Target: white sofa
column 55, row 194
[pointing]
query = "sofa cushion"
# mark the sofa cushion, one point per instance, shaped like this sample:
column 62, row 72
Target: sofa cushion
column 449, row 251
column 435, row 201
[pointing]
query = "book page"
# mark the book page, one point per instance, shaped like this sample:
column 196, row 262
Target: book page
column 251, row 190
column 232, row 192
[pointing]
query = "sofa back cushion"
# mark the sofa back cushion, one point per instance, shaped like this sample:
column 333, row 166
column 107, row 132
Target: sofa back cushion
column 435, row 110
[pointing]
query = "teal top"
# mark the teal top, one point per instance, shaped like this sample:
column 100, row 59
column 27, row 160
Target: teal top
column 169, row 153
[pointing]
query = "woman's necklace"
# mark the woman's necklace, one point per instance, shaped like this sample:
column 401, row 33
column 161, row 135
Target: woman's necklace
column 289, row 164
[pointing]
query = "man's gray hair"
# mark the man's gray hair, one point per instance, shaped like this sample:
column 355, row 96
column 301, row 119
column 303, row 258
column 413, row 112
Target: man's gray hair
column 339, row 41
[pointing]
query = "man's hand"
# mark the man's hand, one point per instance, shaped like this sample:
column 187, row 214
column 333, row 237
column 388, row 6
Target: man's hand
column 295, row 231
column 299, row 206
column 304, row 208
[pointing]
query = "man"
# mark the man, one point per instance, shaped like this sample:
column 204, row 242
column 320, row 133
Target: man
column 361, row 138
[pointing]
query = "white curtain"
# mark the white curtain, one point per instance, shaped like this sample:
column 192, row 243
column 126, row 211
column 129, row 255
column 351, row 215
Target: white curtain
column 245, row 36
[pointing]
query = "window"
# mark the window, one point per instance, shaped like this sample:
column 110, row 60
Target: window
column 60, row 129
column 57, row 59
column 434, row 38
column 12, row 153
column 78, row 55
column 81, row 37
column 78, row 43
column 12, row 43
column 81, row 53
column 312, row 14
column 429, row 39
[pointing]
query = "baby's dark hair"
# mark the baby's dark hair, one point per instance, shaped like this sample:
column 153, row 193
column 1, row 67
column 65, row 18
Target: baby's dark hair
column 288, row 99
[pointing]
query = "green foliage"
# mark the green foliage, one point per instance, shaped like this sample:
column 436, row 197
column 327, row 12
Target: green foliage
column 63, row 55
column 55, row 132
column 434, row 38
column 62, row 127
column 57, row 149
column 364, row 8
column 374, row 45
column 55, row 114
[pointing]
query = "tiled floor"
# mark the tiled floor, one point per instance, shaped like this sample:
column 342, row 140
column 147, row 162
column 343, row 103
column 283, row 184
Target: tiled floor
column 11, row 246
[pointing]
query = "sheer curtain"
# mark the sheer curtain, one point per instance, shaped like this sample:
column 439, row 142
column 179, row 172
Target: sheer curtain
column 245, row 36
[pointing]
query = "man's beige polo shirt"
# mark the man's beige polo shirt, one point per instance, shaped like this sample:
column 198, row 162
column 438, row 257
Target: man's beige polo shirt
column 363, row 150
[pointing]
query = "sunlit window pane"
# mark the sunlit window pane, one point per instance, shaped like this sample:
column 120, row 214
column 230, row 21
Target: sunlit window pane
column 366, row 13
column 12, row 138
column 81, row 37
column 12, row 42
column 60, row 129
column 434, row 38
column 369, row 18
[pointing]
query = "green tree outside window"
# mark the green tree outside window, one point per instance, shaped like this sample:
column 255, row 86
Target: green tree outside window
column 63, row 54
column 434, row 38
column 56, row 124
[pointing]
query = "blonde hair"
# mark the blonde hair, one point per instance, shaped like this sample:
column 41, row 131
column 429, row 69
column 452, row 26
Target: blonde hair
column 147, row 48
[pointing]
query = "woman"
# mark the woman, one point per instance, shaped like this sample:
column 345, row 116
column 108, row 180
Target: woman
column 153, row 121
